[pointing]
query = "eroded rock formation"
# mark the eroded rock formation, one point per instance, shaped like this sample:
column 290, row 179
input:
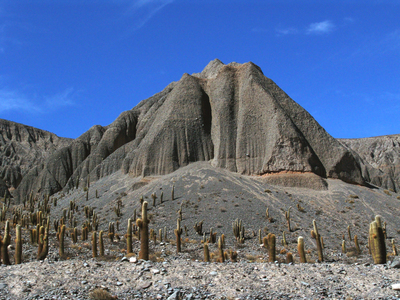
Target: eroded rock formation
column 231, row 115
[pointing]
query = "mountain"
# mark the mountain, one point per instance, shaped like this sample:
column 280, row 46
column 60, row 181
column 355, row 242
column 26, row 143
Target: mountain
column 380, row 158
column 21, row 149
column 229, row 115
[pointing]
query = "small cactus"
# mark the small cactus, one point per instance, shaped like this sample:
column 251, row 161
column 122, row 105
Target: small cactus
column 394, row 248
column 271, row 247
column 178, row 232
column 101, row 243
column 94, row 244
column 343, row 246
column 349, row 233
column 61, row 245
column 317, row 237
column 5, row 243
column 129, row 237
column 287, row 216
column 18, row 245
column 289, row 258
column 356, row 244
column 206, row 253
column 300, row 249
column 221, row 251
column 143, row 224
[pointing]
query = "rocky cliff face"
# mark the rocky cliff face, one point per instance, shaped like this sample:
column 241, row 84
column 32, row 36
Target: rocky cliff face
column 21, row 149
column 380, row 158
column 231, row 115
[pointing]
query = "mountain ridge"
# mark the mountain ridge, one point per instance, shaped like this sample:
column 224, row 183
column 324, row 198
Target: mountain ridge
column 230, row 115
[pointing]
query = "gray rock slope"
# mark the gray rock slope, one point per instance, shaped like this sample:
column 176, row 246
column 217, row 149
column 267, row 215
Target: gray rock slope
column 21, row 149
column 231, row 115
column 380, row 158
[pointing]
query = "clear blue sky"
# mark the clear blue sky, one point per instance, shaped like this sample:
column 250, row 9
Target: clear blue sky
column 66, row 65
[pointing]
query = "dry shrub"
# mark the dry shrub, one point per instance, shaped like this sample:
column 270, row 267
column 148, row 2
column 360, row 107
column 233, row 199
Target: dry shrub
column 100, row 294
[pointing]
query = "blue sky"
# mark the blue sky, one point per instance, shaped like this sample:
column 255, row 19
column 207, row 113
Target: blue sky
column 66, row 65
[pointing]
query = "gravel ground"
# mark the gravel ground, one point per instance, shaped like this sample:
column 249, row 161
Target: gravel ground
column 179, row 278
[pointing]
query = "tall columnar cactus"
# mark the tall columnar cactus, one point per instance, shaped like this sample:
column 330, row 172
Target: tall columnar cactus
column 129, row 237
column 271, row 247
column 287, row 216
column 61, row 245
column 161, row 197
column 143, row 224
column 259, row 237
column 5, row 243
column 94, row 244
column 315, row 234
column 18, row 245
column 173, row 193
column 221, row 251
column 178, row 233
column 154, row 197
column 300, row 249
column 377, row 241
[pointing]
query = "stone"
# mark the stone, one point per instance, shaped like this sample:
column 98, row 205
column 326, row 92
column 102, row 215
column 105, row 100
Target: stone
column 174, row 296
column 395, row 264
column 396, row 286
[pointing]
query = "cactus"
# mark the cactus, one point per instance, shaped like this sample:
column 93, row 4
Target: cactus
column 343, row 246
column 259, row 237
column 287, row 216
column 111, row 231
column 221, row 251
column 349, row 233
column 61, row 245
column 178, row 232
column 5, row 243
column 356, row 244
column 238, row 230
column 233, row 256
column 101, row 243
column 18, row 245
column 198, row 227
column 143, row 224
column 300, row 249
column 271, row 247
column 394, row 248
column 284, row 242
column 265, row 242
column 173, row 193
column 161, row 197
column 129, row 237
column 289, row 258
column 94, row 244
column 45, row 245
column 213, row 236
column 317, row 237
column 154, row 197
column 160, row 235
column 377, row 241
column 206, row 253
